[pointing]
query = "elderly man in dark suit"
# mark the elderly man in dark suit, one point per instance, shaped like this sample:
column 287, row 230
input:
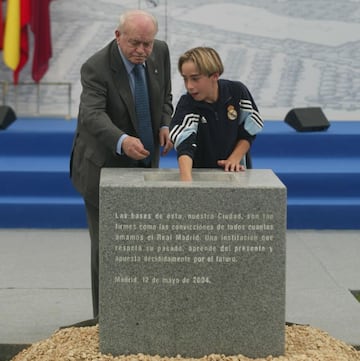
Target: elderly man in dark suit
column 109, row 131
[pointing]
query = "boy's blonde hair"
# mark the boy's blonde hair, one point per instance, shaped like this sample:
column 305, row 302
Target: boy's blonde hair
column 206, row 59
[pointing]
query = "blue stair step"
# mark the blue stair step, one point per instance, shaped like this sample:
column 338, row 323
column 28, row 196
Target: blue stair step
column 278, row 140
column 323, row 213
column 42, row 212
column 321, row 185
column 33, row 136
column 35, row 176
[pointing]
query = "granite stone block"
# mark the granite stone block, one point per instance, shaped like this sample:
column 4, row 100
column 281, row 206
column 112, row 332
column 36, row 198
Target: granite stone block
column 192, row 268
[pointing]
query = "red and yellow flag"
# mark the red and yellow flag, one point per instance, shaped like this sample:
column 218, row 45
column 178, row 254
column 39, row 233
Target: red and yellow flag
column 11, row 51
column 22, row 15
column 25, row 16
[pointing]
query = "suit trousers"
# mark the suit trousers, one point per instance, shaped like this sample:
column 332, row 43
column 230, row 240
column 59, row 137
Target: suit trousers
column 92, row 214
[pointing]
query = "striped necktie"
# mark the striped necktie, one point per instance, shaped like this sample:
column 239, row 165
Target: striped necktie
column 142, row 109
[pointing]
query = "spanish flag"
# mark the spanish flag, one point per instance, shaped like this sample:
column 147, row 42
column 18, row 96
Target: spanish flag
column 25, row 16
column 12, row 34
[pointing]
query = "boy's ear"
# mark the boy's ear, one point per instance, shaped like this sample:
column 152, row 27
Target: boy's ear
column 215, row 76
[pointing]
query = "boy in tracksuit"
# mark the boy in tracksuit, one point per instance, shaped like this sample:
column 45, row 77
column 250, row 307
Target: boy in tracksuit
column 216, row 121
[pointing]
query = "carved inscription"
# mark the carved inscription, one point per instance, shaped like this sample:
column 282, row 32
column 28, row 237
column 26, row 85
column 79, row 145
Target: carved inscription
column 200, row 241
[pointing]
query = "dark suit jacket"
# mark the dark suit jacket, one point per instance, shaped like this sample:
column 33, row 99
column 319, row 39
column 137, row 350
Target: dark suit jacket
column 107, row 111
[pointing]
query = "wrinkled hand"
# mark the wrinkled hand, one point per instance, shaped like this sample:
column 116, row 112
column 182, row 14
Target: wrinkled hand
column 165, row 141
column 134, row 149
column 230, row 165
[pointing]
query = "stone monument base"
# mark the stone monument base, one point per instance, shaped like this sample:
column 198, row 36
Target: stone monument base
column 192, row 268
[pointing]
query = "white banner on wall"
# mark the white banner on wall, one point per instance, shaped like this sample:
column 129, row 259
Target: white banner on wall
column 290, row 53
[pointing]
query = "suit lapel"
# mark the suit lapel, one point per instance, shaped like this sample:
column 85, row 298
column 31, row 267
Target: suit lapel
column 122, row 84
column 121, row 81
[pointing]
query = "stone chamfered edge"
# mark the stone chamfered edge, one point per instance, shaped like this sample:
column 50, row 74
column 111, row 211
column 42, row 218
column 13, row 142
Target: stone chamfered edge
column 124, row 325
column 137, row 177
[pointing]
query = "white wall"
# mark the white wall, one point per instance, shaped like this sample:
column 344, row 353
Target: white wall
column 290, row 53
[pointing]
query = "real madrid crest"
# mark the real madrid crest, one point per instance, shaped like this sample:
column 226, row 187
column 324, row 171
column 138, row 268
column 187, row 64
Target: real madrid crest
column 231, row 112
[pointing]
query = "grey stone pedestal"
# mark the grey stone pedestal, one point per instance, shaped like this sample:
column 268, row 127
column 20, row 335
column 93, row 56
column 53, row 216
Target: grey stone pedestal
column 192, row 268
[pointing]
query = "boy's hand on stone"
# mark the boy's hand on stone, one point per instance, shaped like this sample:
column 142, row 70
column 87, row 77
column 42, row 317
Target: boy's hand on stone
column 230, row 166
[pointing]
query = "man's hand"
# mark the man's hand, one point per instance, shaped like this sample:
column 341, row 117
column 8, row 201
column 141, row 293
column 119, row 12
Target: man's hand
column 134, row 149
column 165, row 141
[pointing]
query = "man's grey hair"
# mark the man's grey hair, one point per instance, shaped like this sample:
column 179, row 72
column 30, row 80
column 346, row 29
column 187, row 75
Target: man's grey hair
column 126, row 16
